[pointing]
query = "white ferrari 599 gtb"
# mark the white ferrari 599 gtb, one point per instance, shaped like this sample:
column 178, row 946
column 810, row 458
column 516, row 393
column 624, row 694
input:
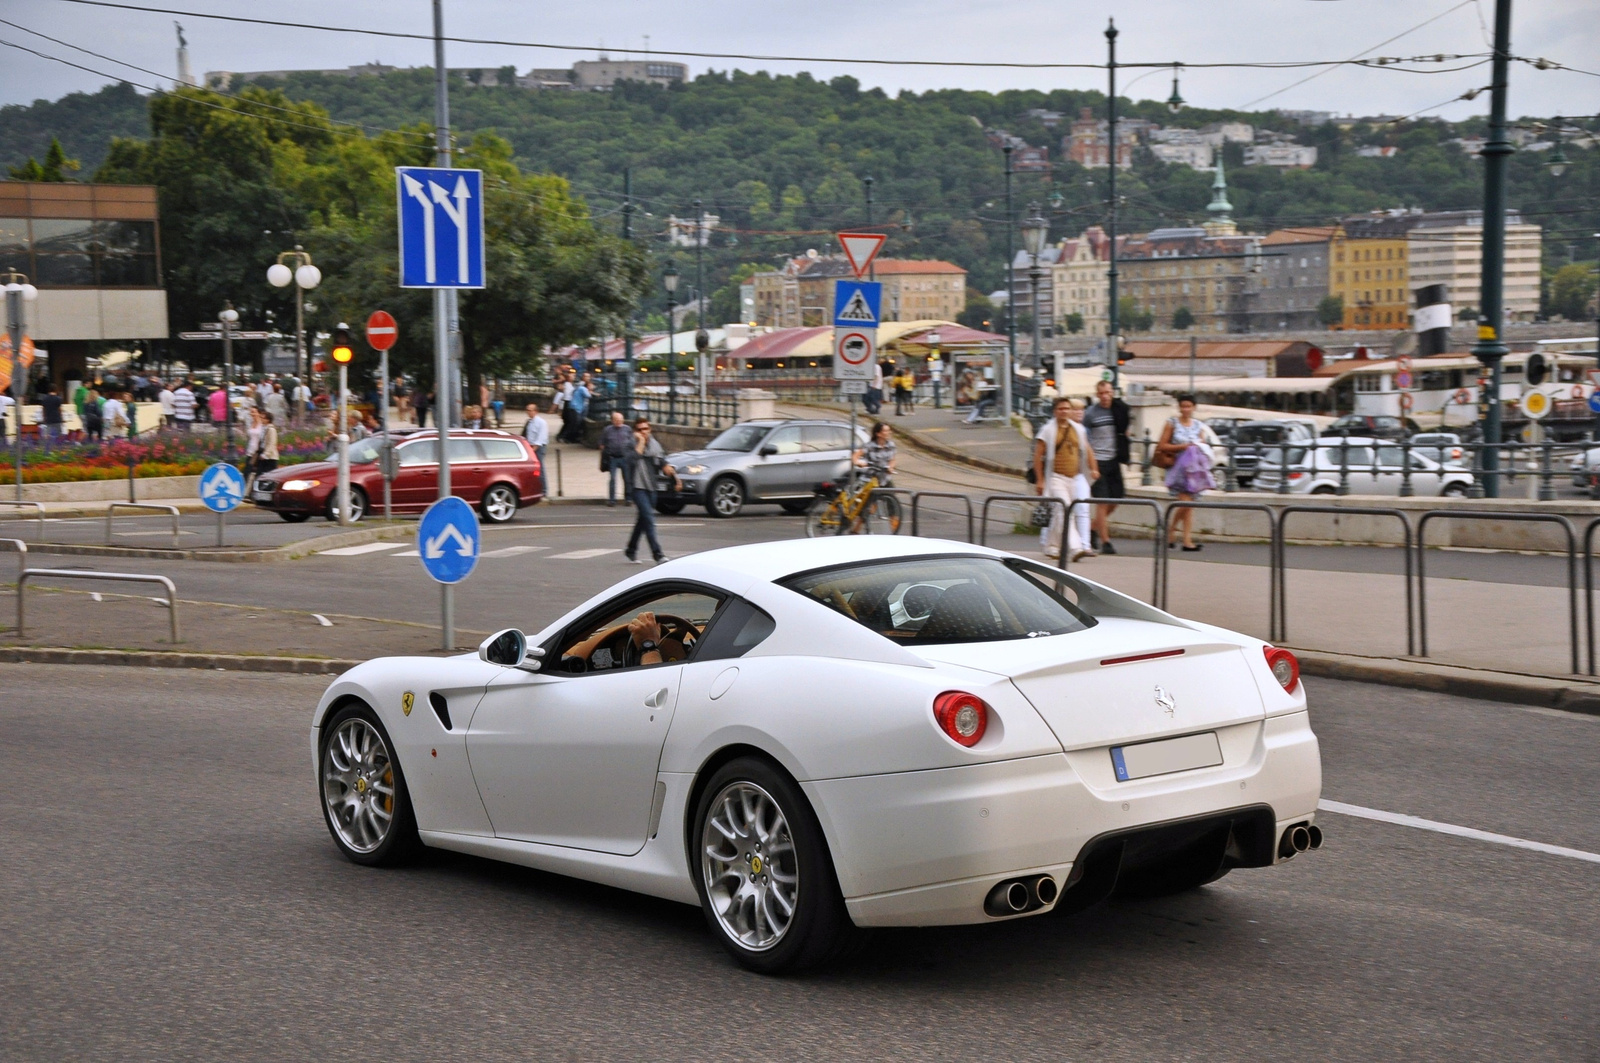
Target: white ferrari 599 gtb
column 807, row 737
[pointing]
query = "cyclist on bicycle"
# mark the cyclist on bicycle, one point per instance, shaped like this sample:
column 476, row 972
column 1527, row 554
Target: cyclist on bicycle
column 878, row 456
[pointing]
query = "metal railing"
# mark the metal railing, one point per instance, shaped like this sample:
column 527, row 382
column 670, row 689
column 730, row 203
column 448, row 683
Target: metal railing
column 1588, row 587
column 38, row 508
column 171, row 601
column 156, row 506
column 716, row 410
column 1158, row 548
column 983, row 518
column 1521, row 466
column 22, row 553
column 1540, row 518
column 1282, row 566
column 1272, row 538
column 916, row 509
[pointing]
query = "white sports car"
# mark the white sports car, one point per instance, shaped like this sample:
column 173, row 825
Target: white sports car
column 807, row 737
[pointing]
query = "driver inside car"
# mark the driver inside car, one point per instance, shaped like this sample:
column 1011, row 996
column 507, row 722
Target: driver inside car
column 646, row 634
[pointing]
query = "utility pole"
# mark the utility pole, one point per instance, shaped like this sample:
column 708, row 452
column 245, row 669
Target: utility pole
column 1114, row 346
column 444, row 317
column 1011, row 296
column 1491, row 348
column 627, row 326
column 872, row 267
column 702, row 338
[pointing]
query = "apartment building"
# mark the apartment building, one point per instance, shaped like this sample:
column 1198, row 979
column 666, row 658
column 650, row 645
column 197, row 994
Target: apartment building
column 1210, row 275
column 1283, row 155
column 1371, row 271
column 800, row 293
column 1079, row 283
column 1447, row 248
column 1292, row 280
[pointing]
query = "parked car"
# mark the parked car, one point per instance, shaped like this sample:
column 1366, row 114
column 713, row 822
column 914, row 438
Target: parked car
column 1375, row 467
column 1254, row 439
column 1444, row 447
column 1225, row 426
column 780, row 461
column 493, row 470
column 1585, row 469
column 1373, row 427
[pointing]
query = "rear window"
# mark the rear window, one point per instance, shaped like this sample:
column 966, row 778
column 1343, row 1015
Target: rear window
column 501, row 449
column 924, row 601
column 1259, row 433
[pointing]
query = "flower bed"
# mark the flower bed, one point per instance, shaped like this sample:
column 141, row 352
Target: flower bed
column 165, row 456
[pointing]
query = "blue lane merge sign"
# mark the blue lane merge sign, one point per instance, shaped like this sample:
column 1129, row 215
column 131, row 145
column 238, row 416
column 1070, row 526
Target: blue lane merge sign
column 855, row 304
column 1594, row 401
column 221, row 487
column 441, row 227
column 448, row 540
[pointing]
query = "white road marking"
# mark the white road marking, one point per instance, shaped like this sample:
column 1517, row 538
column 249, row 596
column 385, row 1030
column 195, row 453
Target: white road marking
column 408, row 553
column 322, row 620
column 1459, row 832
column 364, row 548
column 513, row 551
column 94, row 596
column 584, row 555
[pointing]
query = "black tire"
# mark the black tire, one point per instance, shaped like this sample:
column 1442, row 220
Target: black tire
column 499, row 499
column 797, row 507
column 358, row 505
column 400, row 843
column 294, row 518
column 725, row 497
column 819, row 930
column 669, row 506
column 1454, row 491
column 1324, row 491
column 823, row 518
column 883, row 515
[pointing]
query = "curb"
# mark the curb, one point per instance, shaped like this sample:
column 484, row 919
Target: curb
column 164, row 659
column 286, row 552
column 1570, row 694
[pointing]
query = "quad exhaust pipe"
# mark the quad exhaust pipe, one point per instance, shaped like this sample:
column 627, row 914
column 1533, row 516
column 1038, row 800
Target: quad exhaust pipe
column 1018, row 895
column 1299, row 838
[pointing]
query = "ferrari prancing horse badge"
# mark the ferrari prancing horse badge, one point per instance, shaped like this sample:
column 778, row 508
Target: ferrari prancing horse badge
column 406, row 701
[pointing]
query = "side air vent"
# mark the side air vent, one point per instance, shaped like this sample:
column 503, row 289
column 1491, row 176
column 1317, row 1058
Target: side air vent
column 441, row 709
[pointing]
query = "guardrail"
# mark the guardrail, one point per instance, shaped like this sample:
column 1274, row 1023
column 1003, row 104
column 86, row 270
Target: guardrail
column 1326, row 463
column 22, row 553
column 916, row 510
column 1282, row 567
column 38, row 508
column 157, row 506
column 1588, row 586
column 1544, row 518
column 1272, row 537
column 112, row 577
column 983, row 518
column 1158, row 554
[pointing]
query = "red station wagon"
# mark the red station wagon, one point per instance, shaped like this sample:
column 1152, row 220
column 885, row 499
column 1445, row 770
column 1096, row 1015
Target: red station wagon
column 495, row 471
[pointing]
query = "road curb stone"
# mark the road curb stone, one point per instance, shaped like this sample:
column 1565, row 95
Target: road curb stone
column 1568, row 693
column 174, row 659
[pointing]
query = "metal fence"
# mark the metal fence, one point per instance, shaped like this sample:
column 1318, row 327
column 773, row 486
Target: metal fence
column 157, row 507
column 716, row 410
column 171, row 600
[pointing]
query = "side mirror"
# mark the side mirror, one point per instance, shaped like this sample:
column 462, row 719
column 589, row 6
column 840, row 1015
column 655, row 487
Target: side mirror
column 509, row 648
column 768, row 451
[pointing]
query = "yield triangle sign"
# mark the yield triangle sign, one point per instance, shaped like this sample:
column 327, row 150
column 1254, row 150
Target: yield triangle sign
column 861, row 249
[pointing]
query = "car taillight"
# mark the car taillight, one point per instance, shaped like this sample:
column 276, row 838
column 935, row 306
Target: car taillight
column 1285, row 667
column 962, row 716
column 1296, row 475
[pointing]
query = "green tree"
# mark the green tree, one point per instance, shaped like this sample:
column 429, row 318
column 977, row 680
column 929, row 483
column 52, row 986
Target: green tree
column 54, row 168
column 1330, row 311
column 725, row 300
column 979, row 312
column 1132, row 317
column 1571, row 291
column 1182, row 319
column 1073, row 322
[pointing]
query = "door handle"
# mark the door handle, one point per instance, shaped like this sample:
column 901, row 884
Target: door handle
column 654, row 700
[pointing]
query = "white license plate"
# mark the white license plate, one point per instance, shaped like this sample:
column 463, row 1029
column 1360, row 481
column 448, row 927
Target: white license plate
column 1166, row 756
column 261, row 496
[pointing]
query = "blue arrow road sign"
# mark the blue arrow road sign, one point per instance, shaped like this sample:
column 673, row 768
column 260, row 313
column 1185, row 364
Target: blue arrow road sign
column 221, row 487
column 441, row 227
column 855, row 304
column 448, row 540
column 1594, row 401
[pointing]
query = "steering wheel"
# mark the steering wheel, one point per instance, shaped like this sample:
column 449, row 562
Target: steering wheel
column 672, row 627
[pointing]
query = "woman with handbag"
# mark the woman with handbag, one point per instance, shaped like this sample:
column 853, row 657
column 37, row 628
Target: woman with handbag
column 1183, row 452
column 1061, row 453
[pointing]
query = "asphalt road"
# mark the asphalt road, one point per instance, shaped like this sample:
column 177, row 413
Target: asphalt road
column 171, row 893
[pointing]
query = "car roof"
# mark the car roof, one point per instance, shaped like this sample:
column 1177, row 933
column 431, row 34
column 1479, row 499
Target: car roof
column 773, row 561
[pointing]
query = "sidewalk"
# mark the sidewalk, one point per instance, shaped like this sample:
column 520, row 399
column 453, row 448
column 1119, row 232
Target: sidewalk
column 989, row 445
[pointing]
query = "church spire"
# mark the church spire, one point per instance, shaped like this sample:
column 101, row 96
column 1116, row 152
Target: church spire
column 1221, row 223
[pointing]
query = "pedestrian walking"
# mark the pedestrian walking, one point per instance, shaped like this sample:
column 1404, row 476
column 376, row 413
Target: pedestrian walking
column 615, row 442
column 578, row 404
column 1107, row 424
column 94, row 424
column 537, row 433
column 183, row 406
column 277, row 404
column 217, row 402
column 1060, row 453
column 267, row 445
column 49, row 414
column 646, row 462
column 499, row 407
column 903, row 383
column 1186, row 457
column 420, row 402
column 169, row 410
column 872, row 401
column 252, row 445
column 300, row 399
column 114, row 415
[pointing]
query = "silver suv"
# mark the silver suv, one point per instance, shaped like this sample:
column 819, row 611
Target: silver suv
column 782, row 461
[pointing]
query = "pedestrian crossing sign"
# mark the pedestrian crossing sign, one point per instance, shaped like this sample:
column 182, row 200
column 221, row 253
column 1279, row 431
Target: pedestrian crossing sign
column 856, row 303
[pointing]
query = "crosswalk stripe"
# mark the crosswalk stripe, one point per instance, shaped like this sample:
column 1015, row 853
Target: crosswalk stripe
column 364, row 548
column 1419, row 823
column 512, row 551
column 584, row 555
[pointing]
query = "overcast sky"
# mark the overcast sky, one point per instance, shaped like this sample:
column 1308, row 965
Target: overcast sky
column 1567, row 31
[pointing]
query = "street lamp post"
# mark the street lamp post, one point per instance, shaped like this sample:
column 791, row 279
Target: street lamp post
column 18, row 291
column 626, row 398
column 305, row 277
column 1011, row 296
column 669, row 280
column 229, row 318
column 1112, row 339
column 1491, row 348
column 702, row 338
column 1034, row 231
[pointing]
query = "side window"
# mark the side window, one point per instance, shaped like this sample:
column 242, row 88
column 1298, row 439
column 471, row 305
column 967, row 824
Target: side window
column 819, row 437
column 1389, row 457
column 422, row 452
column 786, row 440
column 501, row 449
column 740, row 627
column 602, row 642
column 465, row 450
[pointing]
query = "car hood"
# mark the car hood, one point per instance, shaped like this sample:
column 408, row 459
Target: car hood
column 309, row 470
column 679, row 458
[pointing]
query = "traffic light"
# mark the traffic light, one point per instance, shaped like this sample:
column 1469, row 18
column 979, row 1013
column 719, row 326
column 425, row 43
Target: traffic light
column 1124, row 356
column 1534, row 373
column 339, row 345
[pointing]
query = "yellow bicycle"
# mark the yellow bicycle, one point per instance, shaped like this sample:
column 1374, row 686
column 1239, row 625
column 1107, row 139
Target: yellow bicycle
column 861, row 510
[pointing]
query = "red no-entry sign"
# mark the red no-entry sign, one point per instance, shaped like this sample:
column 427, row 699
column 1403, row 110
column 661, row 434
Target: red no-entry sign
column 381, row 330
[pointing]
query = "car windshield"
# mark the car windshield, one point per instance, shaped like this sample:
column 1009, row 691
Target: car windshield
column 362, row 452
column 925, row 601
column 1259, row 433
column 740, row 437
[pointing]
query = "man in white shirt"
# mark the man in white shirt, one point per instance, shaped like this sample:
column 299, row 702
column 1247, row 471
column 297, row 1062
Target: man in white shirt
column 169, row 412
column 302, row 400
column 183, row 407
column 114, row 414
column 537, row 433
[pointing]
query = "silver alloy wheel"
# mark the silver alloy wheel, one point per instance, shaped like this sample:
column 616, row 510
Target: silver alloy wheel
column 358, row 785
column 727, row 497
column 749, row 866
column 499, row 504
